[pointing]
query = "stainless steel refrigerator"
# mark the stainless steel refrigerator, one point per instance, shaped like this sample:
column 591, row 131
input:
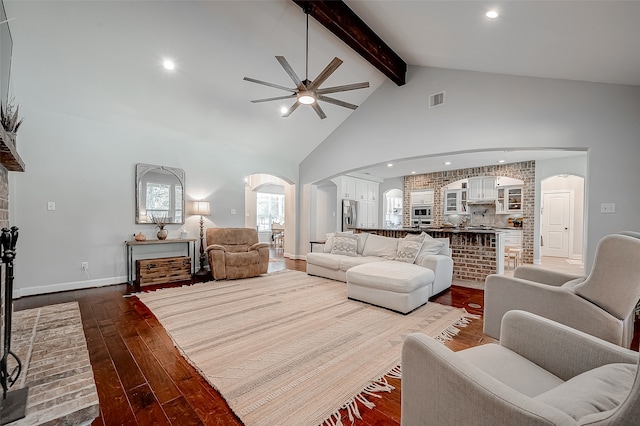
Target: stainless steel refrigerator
column 349, row 209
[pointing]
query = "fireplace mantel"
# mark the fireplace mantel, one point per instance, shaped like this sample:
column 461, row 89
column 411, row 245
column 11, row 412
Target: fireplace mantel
column 9, row 157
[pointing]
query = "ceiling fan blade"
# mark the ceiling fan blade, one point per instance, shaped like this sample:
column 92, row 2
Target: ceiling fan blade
column 274, row 99
column 293, row 108
column 343, row 88
column 318, row 110
column 337, row 102
column 291, row 72
column 325, row 73
column 277, row 86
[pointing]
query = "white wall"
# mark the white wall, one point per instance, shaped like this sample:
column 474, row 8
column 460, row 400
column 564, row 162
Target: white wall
column 88, row 169
column 492, row 111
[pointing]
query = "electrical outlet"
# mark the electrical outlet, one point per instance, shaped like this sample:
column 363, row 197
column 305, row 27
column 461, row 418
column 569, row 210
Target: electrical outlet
column 608, row 208
column 51, row 205
column 85, row 266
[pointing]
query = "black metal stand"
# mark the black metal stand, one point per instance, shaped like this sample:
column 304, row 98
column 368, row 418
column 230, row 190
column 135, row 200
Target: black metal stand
column 13, row 404
column 203, row 258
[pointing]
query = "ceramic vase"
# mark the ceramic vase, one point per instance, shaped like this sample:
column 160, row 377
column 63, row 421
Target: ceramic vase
column 162, row 233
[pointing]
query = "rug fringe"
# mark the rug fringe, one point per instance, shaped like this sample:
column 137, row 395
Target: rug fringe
column 382, row 385
column 452, row 331
column 372, row 390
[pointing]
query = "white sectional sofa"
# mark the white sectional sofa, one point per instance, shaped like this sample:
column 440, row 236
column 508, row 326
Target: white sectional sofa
column 327, row 260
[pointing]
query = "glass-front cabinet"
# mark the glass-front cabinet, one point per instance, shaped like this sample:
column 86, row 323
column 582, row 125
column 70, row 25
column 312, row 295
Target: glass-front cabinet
column 455, row 201
column 509, row 199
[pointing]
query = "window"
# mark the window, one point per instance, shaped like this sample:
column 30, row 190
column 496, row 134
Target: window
column 158, row 201
column 270, row 208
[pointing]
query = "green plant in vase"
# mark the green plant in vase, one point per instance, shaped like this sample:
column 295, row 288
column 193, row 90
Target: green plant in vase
column 10, row 118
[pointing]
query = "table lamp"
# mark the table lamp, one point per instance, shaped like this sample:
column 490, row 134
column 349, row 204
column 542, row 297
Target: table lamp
column 203, row 208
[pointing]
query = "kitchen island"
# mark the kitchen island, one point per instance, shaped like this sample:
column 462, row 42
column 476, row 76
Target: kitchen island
column 476, row 251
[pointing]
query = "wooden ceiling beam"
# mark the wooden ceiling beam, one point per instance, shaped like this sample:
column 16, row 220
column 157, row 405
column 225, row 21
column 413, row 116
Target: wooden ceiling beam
column 338, row 18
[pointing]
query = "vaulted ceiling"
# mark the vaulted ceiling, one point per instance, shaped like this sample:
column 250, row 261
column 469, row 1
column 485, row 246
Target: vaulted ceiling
column 101, row 60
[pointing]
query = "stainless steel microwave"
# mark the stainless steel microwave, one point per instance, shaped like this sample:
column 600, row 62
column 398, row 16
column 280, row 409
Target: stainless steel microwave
column 421, row 212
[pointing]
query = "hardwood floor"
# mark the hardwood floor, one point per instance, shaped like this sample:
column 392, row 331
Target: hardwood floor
column 143, row 380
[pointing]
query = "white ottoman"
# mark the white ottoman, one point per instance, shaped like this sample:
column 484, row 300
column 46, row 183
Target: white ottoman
column 393, row 285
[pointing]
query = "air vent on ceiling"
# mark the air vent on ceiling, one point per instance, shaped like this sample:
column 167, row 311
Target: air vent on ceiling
column 436, row 99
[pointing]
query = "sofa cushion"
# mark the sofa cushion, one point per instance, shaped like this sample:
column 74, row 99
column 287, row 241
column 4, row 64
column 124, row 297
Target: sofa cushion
column 391, row 276
column 345, row 244
column 362, row 238
column 510, row 368
column 594, row 391
column 377, row 245
column 348, row 262
column 326, row 260
column 429, row 246
column 409, row 246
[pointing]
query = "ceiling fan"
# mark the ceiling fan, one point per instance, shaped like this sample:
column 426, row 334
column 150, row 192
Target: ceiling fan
column 308, row 92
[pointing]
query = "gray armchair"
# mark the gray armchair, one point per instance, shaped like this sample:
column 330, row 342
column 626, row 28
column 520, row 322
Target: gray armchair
column 602, row 304
column 541, row 373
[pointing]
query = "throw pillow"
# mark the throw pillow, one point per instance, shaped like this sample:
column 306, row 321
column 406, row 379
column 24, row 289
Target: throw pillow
column 345, row 244
column 429, row 246
column 328, row 245
column 409, row 247
column 379, row 246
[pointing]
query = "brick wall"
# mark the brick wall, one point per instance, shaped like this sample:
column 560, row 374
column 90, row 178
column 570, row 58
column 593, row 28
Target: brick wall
column 524, row 171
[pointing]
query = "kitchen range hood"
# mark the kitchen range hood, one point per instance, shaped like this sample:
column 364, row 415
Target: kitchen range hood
column 481, row 202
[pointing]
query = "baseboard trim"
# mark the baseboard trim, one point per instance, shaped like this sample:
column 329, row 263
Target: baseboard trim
column 77, row 285
column 294, row 257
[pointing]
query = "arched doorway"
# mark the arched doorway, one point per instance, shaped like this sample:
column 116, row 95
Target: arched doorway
column 392, row 207
column 270, row 199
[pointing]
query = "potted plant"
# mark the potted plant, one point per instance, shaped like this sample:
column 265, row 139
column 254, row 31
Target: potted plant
column 10, row 119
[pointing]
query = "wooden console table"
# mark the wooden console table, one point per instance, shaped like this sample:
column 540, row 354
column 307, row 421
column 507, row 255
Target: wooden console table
column 130, row 245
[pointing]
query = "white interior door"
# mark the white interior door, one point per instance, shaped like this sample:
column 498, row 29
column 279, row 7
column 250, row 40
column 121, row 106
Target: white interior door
column 556, row 220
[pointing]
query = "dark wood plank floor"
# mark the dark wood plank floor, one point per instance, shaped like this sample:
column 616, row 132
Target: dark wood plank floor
column 143, row 380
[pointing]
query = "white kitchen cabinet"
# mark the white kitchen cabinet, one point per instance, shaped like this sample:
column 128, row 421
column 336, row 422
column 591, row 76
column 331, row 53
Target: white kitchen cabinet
column 482, row 188
column 346, row 187
column 509, row 199
column 373, row 188
column 455, row 201
column 422, row 197
column 367, row 214
column 513, row 237
column 366, row 190
column 361, row 190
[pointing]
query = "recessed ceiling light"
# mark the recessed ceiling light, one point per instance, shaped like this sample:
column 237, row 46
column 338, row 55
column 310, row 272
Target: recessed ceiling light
column 447, row 163
column 168, row 64
column 413, row 172
column 390, row 165
column 284, row 109
column 500, row 161
column 492, row 14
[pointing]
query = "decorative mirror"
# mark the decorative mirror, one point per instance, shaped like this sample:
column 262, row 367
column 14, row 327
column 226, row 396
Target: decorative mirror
column 159, row 194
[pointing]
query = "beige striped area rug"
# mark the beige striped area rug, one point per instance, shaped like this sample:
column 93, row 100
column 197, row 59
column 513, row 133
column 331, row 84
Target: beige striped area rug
column 289, row 348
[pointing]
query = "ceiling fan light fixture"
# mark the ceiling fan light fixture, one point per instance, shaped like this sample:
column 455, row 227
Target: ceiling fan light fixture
column 306, row 97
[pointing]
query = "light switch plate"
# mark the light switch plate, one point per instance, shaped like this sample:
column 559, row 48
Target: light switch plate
column 607, row 207
column 51, row 205
column 233, row 211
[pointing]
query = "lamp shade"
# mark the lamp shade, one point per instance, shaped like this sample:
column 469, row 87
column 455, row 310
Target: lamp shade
column 202, row 208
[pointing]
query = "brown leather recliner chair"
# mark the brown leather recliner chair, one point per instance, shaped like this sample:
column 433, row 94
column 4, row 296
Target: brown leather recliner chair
column 236, row 253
